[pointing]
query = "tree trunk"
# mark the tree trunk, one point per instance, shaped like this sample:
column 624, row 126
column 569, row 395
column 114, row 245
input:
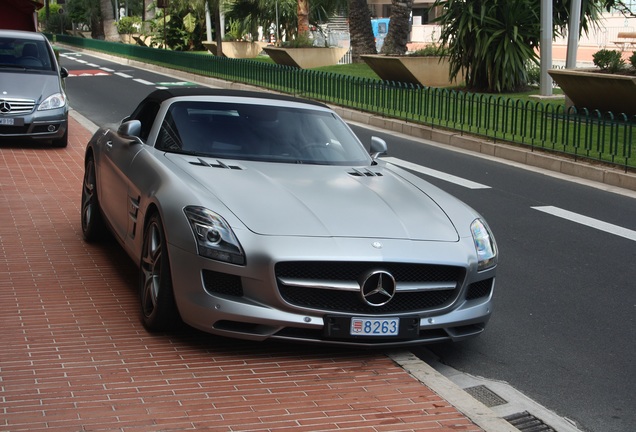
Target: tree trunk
column 399, row 27
column 218, row 37
column 362, row 41
column 108, row 20
column 303, row 17
column 148, row 12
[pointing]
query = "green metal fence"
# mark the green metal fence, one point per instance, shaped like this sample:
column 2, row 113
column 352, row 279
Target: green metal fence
column 592, row 135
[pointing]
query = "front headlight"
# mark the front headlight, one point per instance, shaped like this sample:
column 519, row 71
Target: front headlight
column 215, row 239
column 57, row 100
column 484, row 245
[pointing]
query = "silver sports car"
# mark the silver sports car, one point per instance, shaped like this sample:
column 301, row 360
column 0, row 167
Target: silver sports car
column 258, row 216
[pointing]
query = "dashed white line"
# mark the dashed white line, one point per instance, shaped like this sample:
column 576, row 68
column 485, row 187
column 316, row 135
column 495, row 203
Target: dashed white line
column 123, row 75
column 141, row 81
column 437, row 174
column 588, row 221
column 107, row 69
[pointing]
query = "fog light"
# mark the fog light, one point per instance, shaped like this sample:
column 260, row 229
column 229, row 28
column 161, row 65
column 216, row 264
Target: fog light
column 51, row 128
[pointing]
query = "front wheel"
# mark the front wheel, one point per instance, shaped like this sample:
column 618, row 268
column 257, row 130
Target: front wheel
column 158, row 308
column 93, row 226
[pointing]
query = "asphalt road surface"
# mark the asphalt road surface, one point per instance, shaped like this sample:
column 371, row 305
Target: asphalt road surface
column 564, row 327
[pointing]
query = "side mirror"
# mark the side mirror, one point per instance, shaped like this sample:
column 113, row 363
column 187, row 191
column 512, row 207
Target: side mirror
column 63, row 72
column 378, row 147
column 130, row 129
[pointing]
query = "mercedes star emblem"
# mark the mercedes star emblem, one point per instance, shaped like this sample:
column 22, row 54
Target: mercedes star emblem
column 5, row 107
column 377, row 287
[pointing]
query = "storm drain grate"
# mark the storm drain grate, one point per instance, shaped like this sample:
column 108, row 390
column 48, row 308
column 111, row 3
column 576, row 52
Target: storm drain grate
column 486, row 396
column 526, row 422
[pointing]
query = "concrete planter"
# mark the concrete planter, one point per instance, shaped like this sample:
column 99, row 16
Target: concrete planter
column 129, row 38
column 426, row 71
column 237, row 49
column 306, row 58
column 585, row 88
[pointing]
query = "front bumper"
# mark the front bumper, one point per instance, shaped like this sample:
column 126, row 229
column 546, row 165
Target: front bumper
column 39, row 125
column 246, row 301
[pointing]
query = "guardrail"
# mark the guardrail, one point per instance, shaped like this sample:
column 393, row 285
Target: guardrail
column 603, row 137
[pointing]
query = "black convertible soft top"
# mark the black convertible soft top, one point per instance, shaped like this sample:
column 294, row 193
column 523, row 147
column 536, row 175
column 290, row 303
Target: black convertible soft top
column 165, row 94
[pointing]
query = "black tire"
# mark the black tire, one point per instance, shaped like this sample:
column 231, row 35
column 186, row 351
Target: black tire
column 61, row 142
column 93, row 227
column 158, row 308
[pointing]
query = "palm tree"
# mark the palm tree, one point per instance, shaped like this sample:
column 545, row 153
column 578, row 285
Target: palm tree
column 399, row 27
column 360, row 30
column 303, row 17
column 493, row 41
column 108, row 21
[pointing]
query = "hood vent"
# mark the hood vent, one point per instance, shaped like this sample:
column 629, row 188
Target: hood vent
column 218, row 164
column 364, row 173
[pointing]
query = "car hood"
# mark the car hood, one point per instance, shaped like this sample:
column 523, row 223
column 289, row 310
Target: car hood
column 36, row 85
column 322, row 201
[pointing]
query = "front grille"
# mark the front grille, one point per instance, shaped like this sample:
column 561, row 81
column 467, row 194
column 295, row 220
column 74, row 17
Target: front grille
column 222, row 283
column 351, row 301
column 16, row 106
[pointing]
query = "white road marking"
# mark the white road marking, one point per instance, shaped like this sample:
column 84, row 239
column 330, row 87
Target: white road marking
column 81, row 61
column 92, row 65
column 141, row 81
column 175, row 83
column 123, row 75
column 588, row 221
column 107, row 69
column 437, row 174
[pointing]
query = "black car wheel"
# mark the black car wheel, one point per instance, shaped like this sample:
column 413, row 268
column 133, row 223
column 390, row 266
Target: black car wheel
column 158, row 308
column 92, row 223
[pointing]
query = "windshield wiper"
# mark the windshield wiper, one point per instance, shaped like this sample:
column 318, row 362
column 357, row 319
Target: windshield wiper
column 11, row 66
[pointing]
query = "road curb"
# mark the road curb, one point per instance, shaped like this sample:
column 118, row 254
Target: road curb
column 477, row 412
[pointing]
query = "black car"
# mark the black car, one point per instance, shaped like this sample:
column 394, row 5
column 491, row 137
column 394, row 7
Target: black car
column 33, row 103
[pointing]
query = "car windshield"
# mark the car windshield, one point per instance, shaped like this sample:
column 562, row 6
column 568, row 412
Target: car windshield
column 24, row 54
column 272, row 133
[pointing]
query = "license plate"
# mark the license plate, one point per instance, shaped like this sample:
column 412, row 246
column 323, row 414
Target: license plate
column 375, row 326
column 7, row 121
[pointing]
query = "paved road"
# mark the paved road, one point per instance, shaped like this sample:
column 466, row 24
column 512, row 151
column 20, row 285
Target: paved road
column 563, row 330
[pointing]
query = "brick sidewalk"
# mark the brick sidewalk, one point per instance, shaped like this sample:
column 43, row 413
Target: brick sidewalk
column 76, row 357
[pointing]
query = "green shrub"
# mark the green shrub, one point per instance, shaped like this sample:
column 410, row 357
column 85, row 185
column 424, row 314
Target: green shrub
column 430, row 51
column 534, row 74
column 129, row 25
column 301, row 41
column 608, row 60
column 56, row 22
column 632, row 60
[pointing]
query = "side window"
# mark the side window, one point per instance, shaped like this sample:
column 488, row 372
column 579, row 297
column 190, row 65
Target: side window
column 146, row 114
